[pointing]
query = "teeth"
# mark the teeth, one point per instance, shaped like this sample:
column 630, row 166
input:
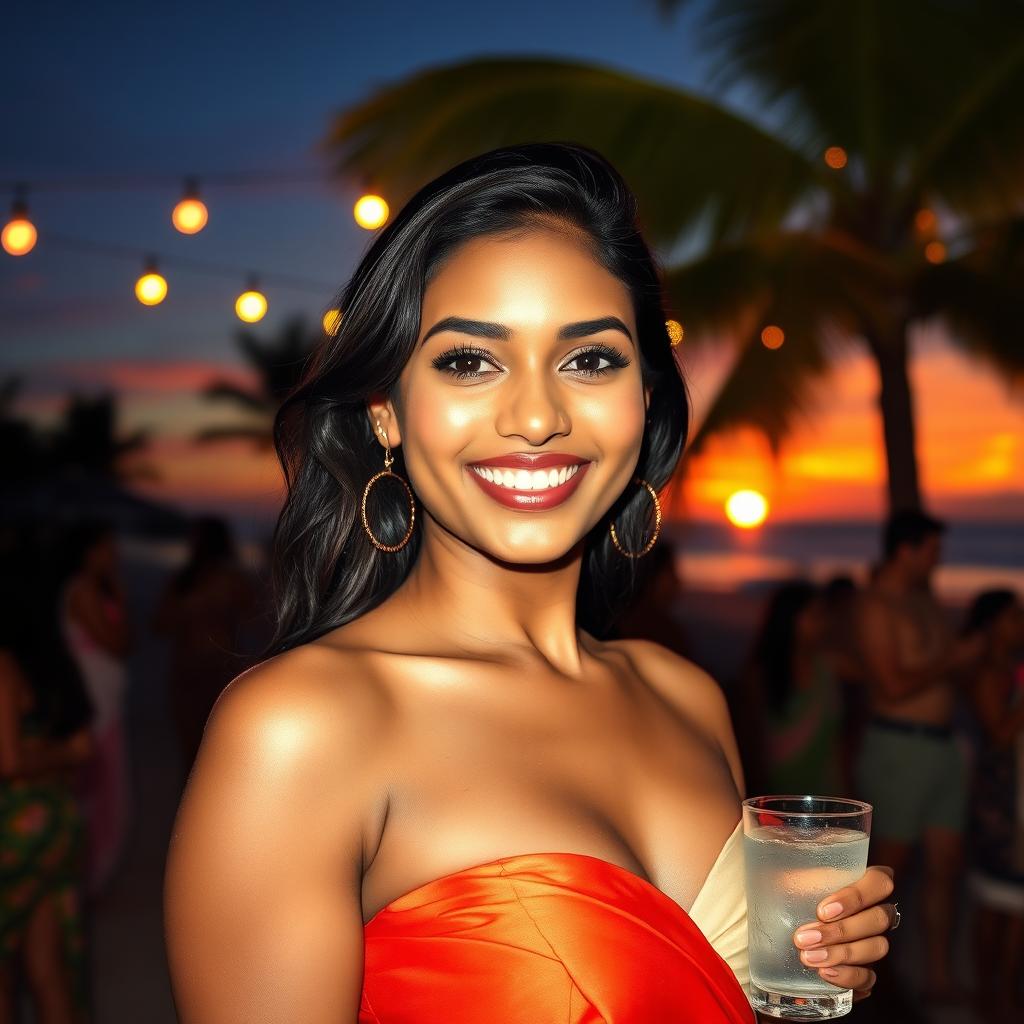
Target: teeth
column 525, row 480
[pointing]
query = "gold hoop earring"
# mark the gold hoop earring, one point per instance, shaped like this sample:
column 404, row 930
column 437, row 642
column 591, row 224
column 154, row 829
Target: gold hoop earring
column 386, row 471
column 657, row 525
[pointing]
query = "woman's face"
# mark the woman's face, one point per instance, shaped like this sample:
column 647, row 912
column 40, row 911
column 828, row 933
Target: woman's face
column 521, row 412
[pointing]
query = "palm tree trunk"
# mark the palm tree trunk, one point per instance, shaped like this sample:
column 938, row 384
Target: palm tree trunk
column 896, row 405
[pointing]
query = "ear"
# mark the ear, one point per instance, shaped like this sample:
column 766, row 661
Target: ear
column 381, row 411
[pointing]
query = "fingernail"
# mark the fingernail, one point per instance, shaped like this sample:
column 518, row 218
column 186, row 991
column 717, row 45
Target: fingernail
column 829, row 972
column 810, row 937
column 816, row 956
column 832, row 910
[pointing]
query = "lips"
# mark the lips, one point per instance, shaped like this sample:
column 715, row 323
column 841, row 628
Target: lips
column 529, row 482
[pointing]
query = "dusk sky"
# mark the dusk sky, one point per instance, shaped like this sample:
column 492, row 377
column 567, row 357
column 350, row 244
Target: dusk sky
column 143, row 96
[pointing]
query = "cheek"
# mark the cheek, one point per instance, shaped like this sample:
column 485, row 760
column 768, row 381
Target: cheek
column 613, row 418
column 438, row 422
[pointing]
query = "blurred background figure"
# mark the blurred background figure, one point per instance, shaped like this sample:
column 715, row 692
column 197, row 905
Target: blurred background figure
column 44, row 740
column 910, row 768
column 204, row 611
column 996, row 834
column 839, row 598
column 95, row 625
column 652, row 615
column 788, row 712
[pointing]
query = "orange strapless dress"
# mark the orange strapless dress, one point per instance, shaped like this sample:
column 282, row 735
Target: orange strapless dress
column 544, row 938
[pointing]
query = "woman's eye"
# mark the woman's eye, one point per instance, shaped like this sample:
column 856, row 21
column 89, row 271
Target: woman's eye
column 595, row 361
column 464, row 364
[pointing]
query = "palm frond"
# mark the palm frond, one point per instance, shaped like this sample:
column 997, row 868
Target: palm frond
column 676, row 150
column 228, row 390
column 260, row 436
column 980, row 297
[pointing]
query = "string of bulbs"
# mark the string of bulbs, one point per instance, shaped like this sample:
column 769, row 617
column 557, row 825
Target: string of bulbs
column 189, row 216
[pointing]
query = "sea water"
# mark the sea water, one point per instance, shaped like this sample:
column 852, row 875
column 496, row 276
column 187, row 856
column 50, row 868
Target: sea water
column 789, row 871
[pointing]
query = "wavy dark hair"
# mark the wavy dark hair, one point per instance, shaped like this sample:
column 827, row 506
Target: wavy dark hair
column 326, row 571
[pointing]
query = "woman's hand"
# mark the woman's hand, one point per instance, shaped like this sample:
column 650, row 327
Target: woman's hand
column 850, row 931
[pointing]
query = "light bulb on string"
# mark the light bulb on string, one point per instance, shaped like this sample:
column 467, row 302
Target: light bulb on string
column 251, row 305
column 190, row 215
column 332, row 321
column 151, row 287
column 19, row 234
column 370, row 211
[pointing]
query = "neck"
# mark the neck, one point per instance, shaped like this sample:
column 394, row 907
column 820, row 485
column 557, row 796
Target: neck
column 486, row 604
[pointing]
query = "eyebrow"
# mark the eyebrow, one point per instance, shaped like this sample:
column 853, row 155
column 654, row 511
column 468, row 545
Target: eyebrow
column 499, row 332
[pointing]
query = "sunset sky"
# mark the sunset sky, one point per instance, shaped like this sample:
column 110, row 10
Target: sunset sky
column 240, row 88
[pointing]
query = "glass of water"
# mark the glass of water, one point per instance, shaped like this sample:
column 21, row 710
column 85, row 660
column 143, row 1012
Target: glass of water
column 797, row 850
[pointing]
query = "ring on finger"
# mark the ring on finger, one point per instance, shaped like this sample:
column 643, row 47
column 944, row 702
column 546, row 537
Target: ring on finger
column 896, row 917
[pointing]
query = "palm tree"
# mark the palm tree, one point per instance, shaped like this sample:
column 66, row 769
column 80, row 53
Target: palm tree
column 278, row 364
column 916, row 212
column 86, row 442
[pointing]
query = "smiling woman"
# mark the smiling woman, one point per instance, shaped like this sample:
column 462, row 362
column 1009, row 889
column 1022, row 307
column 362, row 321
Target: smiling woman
column 442, row 797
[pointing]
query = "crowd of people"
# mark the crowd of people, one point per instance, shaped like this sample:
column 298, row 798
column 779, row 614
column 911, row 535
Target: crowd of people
column 877, row 692
column 871, row 690
column 66, row 804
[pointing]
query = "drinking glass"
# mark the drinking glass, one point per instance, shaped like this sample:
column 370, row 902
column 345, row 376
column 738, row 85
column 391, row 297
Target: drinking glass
column 797, row 850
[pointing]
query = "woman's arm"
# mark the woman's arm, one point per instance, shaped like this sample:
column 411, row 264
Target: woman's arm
column 262, row 891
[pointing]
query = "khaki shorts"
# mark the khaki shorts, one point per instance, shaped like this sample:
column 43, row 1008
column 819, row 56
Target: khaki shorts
column 914, row 782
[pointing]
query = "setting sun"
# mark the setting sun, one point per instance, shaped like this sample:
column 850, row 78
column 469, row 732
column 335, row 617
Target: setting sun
column 746, row 509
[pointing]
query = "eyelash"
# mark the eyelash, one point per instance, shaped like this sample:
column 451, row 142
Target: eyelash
column 616, row 360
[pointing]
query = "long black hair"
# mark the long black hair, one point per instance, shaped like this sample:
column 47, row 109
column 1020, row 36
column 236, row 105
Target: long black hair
column 326, row 571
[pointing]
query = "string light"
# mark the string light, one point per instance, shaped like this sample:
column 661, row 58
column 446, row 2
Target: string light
column 151, row 288
column 772, row 336
column 19, row 234
column 835, row 157
column 935, row 252
column 332, row 321
column 675, row 332
column 251, row 305
column 925, row 221
column 370, row 211
column 190, row 215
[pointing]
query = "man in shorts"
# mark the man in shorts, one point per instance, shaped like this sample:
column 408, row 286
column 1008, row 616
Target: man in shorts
column 910, row 767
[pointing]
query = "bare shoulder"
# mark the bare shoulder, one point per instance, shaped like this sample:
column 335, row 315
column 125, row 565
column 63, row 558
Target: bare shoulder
column 691, row 690
column 313, row 695
column 264, row 871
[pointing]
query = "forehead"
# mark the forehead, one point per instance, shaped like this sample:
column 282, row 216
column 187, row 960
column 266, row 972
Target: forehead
column 533, row 276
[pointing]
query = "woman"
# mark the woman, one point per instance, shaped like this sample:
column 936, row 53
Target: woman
column 790, row 706
column 205, row 609
column 44, row 741
column 370, row 829
column 95, row 625
column 997, row 806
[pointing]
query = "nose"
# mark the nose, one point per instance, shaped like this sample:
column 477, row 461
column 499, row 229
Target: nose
column 532, row 408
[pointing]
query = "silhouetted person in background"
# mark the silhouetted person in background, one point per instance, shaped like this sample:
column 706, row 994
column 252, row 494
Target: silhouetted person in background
column 95, row 624
column 789, row 699
column 204, row 610
column 910, row 767
column 44, row 740
column 839, row 597
column 996, row 835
